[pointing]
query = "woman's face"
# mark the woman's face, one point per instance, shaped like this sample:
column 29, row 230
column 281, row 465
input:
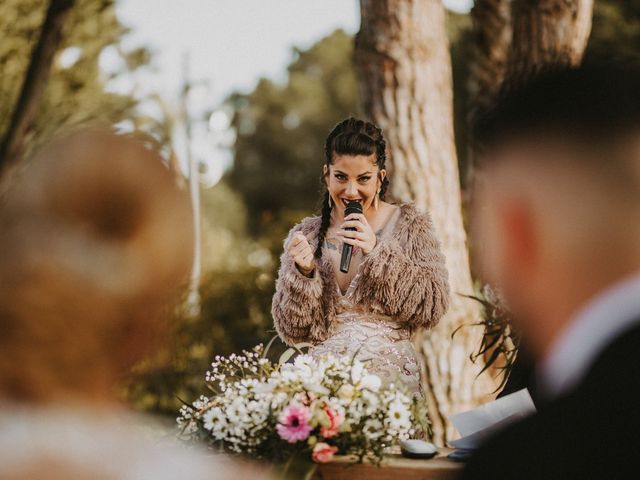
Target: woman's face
column 353, row 178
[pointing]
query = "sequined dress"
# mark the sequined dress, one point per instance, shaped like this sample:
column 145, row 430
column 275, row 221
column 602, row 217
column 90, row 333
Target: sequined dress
column 379, row 340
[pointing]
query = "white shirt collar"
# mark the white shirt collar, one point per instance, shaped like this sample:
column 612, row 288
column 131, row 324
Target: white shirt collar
column 598, row 323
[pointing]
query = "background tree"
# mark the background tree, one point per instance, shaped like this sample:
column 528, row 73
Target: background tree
column 547, row 32
column 615, row 31
column 281, row 129
column 490, row 42
column 77, row 90
column 404, row 67
column 35, row 80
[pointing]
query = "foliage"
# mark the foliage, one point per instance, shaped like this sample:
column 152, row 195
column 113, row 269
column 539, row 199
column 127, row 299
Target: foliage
column 281, row 129
column 235, row 296
column 615, row 30
column 311, row 407
column 224, row 220
column 500, row 339
column 77, row 91
column 234, row 316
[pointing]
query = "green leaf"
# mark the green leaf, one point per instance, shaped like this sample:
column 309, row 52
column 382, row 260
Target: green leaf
column 491, row 360
column 286, row 356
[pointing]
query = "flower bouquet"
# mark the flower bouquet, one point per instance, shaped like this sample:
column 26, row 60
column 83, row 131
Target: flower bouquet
column 309, row 408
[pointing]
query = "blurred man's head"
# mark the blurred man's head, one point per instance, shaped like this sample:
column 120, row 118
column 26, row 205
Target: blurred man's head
column 96, row 241
column 557, row 194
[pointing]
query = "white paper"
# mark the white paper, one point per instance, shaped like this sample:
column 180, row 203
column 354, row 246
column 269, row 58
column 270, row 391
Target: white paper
column 474, row 425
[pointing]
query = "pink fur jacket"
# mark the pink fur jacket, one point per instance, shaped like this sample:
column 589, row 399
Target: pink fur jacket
column 404, row 277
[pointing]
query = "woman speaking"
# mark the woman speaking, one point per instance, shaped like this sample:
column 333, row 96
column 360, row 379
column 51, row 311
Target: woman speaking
column 396, row 282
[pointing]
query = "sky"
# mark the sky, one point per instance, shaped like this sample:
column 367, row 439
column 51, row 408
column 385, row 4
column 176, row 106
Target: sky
column 230, row 43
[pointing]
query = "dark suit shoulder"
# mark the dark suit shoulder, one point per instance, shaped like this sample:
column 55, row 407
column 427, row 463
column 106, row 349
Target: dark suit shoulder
column 592, row 432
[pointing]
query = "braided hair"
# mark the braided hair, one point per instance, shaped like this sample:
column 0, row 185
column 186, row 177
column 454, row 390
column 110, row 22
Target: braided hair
column 351, row 137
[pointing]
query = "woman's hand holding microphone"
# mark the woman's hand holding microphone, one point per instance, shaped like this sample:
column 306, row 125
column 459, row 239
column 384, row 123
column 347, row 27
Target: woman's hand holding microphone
column 361, row 236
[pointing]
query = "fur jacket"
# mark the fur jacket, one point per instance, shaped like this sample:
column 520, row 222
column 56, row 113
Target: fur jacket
column 404, row 276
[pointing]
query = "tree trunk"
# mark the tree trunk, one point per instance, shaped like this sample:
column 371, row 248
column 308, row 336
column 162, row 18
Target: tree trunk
column 404, row 68
column 33, row 86
column 491, row 40
column 547, row 32
column 491, row 30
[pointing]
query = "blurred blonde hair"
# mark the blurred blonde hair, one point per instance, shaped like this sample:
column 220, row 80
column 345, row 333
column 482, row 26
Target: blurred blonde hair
column 96, row 240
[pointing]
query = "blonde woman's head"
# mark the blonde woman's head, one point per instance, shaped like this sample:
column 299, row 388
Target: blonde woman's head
column 96, row 243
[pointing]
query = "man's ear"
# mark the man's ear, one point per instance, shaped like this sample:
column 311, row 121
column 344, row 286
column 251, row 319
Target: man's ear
column 521, row 242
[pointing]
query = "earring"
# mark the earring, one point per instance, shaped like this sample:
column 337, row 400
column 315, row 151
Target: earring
column 329, row 201
column 375, row 200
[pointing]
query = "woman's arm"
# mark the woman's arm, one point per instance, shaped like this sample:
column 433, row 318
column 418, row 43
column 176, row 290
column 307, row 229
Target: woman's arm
column 297, row 303
column 405, row 276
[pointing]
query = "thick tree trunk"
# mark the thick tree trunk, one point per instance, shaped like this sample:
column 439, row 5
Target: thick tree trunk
column 547, row 32
column 491, row 30
column 491, row 41
column 404, row 67
column 33, row 86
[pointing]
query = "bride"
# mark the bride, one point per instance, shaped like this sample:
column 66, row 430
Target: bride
column 397, row 281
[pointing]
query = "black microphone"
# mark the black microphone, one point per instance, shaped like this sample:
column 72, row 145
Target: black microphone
column 347, row 249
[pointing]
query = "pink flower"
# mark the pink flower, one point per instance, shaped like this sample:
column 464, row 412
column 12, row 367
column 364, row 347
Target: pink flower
column 335, row 420
column 323, row 452
column 293, row 423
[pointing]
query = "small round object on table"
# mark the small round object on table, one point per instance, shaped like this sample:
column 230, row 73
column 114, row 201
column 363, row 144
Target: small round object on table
column 414, row 448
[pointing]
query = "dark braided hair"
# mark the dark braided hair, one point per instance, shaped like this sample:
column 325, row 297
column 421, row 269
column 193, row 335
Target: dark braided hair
column 351, row 137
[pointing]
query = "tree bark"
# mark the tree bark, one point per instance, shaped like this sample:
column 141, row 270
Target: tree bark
column 33, row 86
column 491, row 40
column 404, row 67
column 547, row 32
column 491, row 36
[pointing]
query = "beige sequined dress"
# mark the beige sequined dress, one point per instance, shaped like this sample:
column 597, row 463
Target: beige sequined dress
column 379, row 340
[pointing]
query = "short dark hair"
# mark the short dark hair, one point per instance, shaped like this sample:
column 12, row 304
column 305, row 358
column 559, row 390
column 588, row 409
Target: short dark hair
column 594, row 102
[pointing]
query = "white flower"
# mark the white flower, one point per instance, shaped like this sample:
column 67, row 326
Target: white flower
column 346, row 392
column 279, row 400
column 371, row 402
column 354, row 413
column 214, row 419
column 316, row 387
column 237, row 411
column 356, row 371
column 304, row 361
column 398, row 416
column 371, row 382
column 311, row 373
column 289, row 373
column 373, row 429
column 263, row 387
column 200, row 402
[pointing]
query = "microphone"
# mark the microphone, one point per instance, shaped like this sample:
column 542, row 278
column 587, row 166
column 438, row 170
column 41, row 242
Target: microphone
column 347, row 250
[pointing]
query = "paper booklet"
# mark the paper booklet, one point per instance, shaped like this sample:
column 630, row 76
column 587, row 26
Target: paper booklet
column 475, row 425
